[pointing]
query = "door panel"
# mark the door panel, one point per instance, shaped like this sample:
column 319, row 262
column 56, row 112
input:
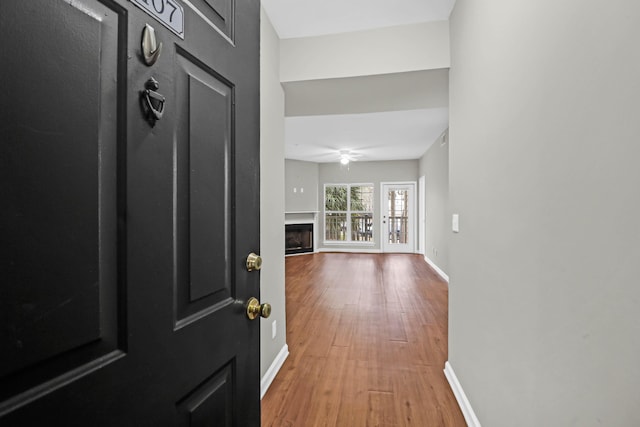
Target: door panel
column 204, row 186
column 209, row 119
column 123, row 281
column 398, row 217
column 212, row 400
column 60, row 299
column 219, row 13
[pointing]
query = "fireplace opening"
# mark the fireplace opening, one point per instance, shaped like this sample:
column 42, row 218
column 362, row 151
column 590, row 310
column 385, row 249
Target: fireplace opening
column 298, row 238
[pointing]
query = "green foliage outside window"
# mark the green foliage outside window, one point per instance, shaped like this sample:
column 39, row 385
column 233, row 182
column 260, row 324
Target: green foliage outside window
column 349, row 218
column 335, row 198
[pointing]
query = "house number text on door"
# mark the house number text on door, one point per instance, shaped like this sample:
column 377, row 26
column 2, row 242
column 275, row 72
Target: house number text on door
column 169, row 12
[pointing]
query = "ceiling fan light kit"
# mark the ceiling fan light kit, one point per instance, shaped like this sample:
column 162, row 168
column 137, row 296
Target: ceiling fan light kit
column 347, row 156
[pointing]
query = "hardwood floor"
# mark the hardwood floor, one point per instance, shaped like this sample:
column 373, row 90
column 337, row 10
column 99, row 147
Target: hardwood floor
column 367, row 336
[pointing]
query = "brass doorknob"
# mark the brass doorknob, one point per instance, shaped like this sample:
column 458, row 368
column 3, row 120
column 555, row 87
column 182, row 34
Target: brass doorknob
column 254, row 262
column 255, row 309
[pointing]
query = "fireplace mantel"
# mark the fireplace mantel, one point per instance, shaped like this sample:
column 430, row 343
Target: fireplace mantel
column 308, row 217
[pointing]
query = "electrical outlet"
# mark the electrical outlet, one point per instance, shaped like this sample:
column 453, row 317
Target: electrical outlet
column 274, row 329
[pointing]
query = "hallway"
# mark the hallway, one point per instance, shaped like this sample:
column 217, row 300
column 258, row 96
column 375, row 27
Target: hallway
column 367, row 336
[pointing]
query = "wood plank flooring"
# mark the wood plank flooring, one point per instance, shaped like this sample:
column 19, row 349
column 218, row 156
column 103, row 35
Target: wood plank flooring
column 367, row 336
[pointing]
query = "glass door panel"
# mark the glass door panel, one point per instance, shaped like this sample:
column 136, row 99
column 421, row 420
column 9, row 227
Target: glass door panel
column 398, row 217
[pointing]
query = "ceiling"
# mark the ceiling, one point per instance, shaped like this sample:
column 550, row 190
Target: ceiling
column 370, row 137
column 382, row 117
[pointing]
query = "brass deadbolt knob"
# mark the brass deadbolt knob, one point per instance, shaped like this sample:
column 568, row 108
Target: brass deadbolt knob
column 254, row 262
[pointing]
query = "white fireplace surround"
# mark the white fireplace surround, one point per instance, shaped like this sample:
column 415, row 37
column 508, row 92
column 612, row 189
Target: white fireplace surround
column 307, row 217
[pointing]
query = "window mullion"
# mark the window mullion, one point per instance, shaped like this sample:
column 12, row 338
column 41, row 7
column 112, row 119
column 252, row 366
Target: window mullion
column 348, row 237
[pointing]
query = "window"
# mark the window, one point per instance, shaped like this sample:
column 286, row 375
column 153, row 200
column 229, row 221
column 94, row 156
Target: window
column 348, row 212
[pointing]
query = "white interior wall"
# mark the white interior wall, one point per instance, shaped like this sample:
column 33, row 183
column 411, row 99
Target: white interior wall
column 544, row 326
column 434, row 166
column 363, row 53
column 271, row 196
column 411, row 90
column 301, row 186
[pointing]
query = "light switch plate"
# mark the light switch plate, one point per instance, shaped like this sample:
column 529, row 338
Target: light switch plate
column 455, row 223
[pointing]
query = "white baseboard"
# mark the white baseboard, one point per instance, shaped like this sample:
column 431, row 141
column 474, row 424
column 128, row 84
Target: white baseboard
column 351, row 250
column 300, row 254
column 461, row 397
column 437, row 269
column 273, row 370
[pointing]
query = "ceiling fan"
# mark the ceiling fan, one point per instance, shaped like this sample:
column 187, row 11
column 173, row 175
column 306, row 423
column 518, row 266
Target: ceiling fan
column 328, row 153
column 347, row 156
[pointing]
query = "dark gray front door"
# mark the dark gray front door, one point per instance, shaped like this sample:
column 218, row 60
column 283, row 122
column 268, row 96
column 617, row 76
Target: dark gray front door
column 122, row 246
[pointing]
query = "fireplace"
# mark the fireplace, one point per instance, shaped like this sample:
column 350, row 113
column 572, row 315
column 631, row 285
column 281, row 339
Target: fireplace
column 298, row 238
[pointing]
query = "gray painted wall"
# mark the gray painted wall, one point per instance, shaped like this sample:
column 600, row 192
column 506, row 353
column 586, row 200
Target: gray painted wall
column 434, row 166
column 301, row 186
column 544, row 291
column 394, row 49
column 360, row 173
column 271, row 194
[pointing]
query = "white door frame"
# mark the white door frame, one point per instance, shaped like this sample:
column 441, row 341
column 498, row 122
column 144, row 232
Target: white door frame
column 410, row 246
column 422, row 215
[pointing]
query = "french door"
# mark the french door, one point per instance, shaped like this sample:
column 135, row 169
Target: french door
column 398, row 216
